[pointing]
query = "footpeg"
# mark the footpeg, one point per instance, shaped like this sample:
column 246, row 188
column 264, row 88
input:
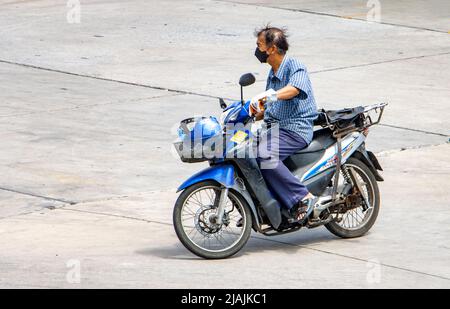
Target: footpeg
column 322, row 204
column 317, row 222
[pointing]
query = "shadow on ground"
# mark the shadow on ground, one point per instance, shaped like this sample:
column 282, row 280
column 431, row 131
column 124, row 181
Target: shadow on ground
column 256, row 244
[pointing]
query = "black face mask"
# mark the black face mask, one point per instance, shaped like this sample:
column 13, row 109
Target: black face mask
column 262, row 56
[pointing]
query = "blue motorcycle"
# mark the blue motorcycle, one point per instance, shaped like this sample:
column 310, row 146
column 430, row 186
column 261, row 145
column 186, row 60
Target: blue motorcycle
column 219, row 206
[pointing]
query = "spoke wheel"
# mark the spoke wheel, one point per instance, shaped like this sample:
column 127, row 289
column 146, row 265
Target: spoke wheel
column 356, row 221
column 195, row 221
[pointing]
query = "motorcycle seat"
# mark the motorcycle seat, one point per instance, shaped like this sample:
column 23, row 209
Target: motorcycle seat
column 322, row 139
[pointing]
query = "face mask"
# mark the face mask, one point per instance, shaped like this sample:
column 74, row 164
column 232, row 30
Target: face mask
column 262, row 56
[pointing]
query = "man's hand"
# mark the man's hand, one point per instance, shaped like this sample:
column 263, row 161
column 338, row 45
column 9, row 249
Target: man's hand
column 256, row 107
column 257, row 102
column 259, row 116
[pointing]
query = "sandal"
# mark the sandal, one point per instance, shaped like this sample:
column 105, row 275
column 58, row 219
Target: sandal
column 304, row 208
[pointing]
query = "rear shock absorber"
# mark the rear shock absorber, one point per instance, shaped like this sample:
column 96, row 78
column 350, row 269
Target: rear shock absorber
column 348, row 180
column 345, row 173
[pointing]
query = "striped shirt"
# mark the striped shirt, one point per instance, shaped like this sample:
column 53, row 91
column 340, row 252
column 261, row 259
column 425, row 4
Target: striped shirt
column 298, row 113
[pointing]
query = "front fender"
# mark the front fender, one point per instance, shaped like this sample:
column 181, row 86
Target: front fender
column 223, row 174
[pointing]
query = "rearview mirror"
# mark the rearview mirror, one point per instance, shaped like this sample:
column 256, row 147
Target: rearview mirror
column 247, row 79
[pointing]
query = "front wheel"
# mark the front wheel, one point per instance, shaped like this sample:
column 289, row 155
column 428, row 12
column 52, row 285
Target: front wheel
column 356, row 221
column 194, row 221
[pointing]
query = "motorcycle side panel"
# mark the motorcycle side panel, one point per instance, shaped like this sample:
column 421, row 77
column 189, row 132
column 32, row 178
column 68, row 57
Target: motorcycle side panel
column 299, row 164
column 349, row 145
column 300, row 161
column 318, row 183
column 316, row 169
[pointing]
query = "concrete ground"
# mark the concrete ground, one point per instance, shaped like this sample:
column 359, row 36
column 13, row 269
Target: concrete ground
column 88, row 112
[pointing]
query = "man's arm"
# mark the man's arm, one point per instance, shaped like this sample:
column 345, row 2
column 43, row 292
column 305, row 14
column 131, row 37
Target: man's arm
column 287, row 92
column 284, row 93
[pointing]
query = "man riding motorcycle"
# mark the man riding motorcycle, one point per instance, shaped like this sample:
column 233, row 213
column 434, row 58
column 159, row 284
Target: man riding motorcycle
column 299, row 178
column 288, row 103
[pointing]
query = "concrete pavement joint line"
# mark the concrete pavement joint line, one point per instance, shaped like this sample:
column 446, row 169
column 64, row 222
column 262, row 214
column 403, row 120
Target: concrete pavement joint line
column 369, row 64
column 184, row 92
column 332, row 15
column 414, row 130
column 21, row 214
column 266, row 239
column 384, row 153
column 34, row 211
column 40, row 196
column 354, row 258
column 112, row 215
column 91, row 105
column 21, row 286
column 110, row 80
column 378, row 62
column 118, row 197
column 381, row 153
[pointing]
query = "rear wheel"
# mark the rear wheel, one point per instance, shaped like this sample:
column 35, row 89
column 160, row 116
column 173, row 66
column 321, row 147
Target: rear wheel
column 195, row 226
column 356, row 221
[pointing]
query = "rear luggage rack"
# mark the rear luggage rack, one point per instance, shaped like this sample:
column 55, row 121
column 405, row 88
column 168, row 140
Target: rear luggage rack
column 348, row 120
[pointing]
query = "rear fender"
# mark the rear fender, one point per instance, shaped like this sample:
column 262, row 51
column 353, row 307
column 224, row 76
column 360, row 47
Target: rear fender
column 370, row 160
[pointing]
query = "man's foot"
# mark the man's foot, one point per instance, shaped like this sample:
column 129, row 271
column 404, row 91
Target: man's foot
column 239, row 222
column 304, row 208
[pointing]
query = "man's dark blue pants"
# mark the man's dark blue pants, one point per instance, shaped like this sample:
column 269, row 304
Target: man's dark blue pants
column 271, row 152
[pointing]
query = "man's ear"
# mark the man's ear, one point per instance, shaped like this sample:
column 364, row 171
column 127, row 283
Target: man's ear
column 272, row 49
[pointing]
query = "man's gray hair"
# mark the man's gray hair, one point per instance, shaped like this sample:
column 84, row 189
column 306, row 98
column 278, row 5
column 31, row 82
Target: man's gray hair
column 274, row 36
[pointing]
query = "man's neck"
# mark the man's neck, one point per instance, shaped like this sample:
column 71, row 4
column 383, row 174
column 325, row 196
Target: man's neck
column 276, row 62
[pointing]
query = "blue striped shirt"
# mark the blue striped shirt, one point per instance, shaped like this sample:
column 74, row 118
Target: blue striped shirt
column 298, row 113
